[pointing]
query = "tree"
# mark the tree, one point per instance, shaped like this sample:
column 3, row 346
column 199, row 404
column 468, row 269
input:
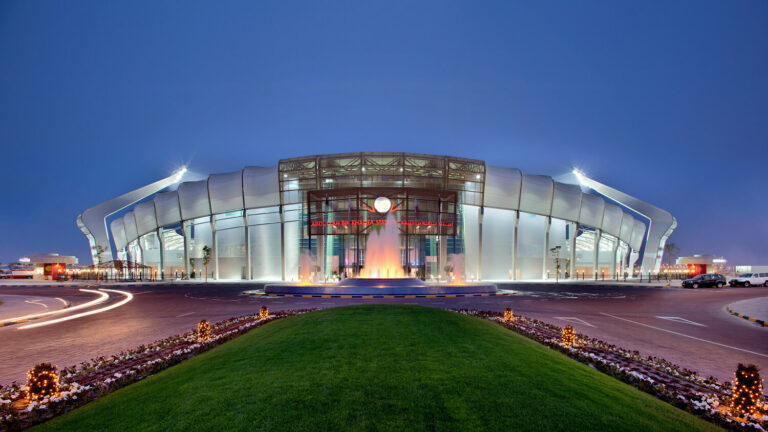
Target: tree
column 672, row 252
column 556, row 256
column 206, row 260
column 99, row 249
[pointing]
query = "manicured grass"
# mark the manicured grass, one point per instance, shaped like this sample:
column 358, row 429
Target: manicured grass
column 379, row 367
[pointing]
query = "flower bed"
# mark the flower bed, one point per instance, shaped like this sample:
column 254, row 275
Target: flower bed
column 705, row 397
column 83, row 383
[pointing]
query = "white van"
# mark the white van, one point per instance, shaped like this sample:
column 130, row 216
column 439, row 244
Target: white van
column 749, row 279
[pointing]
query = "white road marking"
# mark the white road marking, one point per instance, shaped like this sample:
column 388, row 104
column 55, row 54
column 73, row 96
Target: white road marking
column 36, row 302
column 680, row 320
column 685, row 335
column 62, row 300
column 574, row 320
column 185, row 314
column 143, row 292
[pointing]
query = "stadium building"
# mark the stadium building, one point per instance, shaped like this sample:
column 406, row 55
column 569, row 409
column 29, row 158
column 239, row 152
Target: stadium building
column 256, row 223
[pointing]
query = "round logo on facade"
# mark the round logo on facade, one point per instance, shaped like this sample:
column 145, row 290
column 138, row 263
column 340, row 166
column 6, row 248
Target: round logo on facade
column 382, row 204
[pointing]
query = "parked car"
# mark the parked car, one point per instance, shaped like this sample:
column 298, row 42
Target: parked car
column 749, row 279
column 705, row 280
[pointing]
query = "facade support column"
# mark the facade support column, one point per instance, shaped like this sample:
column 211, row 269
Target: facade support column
column 161, row 242
column 596, row 254
column 186, row 249
column 480, row 244
column 546, row 249
column 572, row 267
column 514, row 246
column 282, row 241
column 215, row 251
column 613, row 258
column 248, row 270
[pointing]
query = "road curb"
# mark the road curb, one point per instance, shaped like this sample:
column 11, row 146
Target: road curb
column 754, row 320
column 326, row 296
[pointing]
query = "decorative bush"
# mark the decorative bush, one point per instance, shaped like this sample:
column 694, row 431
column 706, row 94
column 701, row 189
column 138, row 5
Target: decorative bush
column 747, row 390
column 568, row 336
column 509, row 316
column 203, row 331
column 263, row 312
column 42, row 382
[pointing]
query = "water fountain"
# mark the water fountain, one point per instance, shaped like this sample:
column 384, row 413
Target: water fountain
column 383, row 273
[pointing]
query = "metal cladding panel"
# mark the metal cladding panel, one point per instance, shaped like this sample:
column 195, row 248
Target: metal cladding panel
column 145, row 217
column 167, row 208
column 193, row 199
column 638, row 234
column 536, row 194
column 129, row 221
column 118, row 233
column 226, row 191
column 502, row 187
column 627, row 225
column 260, row 187
column 612, row 219
column 566, row 202
column 591, row 213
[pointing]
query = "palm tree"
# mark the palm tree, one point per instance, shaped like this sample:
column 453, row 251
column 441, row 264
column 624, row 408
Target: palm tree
column 206, row 260
column 671, row 251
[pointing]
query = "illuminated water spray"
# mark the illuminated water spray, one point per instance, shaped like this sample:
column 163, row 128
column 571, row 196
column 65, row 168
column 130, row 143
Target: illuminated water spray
column 382, row 252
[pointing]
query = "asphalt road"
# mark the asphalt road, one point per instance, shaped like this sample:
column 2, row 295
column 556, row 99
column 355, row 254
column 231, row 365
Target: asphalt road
column 688, row 327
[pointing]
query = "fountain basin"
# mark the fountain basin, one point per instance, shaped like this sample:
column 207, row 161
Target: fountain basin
column 381, row 286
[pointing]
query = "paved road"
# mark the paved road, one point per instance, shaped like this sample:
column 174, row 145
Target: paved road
column 688, row 327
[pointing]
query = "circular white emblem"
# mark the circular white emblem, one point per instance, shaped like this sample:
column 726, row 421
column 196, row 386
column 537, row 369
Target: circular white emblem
column 382, row 204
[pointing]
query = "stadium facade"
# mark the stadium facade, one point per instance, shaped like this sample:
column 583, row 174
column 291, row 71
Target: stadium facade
column 257, row 222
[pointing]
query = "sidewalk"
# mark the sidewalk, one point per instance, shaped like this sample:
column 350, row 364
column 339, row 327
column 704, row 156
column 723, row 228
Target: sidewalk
column 755, row 310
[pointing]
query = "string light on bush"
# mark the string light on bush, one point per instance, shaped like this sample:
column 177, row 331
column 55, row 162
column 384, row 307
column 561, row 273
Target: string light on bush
column 569, row 336
column 747, row 390
column 42, row 382
column 509, row 316
column 263, row 312
column 203, row 331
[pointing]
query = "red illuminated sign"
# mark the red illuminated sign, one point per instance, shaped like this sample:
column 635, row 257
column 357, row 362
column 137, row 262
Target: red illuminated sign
column 345, row 223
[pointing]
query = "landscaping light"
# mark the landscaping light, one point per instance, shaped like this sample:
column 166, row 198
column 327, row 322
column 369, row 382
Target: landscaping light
column 203, row 331
column 509, row 316
column 42, row 382
column 263, row 312
column 569, row 336
column 747, row 390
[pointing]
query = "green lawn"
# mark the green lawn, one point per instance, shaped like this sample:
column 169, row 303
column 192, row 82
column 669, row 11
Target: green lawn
column 379, row 367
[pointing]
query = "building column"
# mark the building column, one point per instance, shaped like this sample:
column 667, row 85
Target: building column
column 480, row 244
column 248, row 270
column 546, row 248
column 613, row 259
column 282, row 241
column 160, row 240
column 598, row 234
column 215, row 250
column 574, row 234
column 514, row 246
column 186, row 249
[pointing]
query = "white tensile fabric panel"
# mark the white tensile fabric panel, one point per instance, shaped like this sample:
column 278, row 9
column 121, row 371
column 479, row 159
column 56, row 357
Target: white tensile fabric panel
column 193, row 199
column 502, row 187
column 129, row 222
column 638, row 234
column 167, row 208
column 226, row 191
column 118, row 233
column 145, row 217
column 627, row 225
column 566, row 202
column 536, row 194
column 612, row 219
column 591, row 213
column 260, row 187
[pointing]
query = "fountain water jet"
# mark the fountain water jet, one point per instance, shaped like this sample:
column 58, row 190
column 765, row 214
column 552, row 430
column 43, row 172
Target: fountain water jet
column 382, row 253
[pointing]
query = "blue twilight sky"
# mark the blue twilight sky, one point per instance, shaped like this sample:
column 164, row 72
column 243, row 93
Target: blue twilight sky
column 667, row 101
